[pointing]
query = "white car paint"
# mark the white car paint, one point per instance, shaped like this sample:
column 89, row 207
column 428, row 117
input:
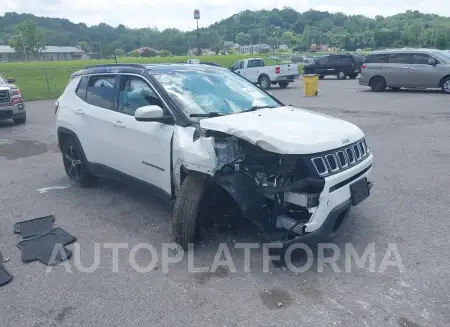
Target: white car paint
column 287, row 130
column 274, row 72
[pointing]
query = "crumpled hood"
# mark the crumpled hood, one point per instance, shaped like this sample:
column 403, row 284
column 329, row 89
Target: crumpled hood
column 287, row 130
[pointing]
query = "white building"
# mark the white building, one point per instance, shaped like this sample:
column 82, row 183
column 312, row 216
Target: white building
column 51, row 53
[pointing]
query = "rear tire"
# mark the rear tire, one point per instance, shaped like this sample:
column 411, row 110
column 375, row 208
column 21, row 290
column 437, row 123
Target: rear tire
column 264, row 82
column 283, row 84
column 20, row 120
column 321, row 77
column 353, row 76
column 378, row 84
column 446, row 85
column 75, row 163
column 186, row 210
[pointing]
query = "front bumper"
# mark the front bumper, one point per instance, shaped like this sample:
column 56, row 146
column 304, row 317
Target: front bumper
column 334, row 204
column 11, row 111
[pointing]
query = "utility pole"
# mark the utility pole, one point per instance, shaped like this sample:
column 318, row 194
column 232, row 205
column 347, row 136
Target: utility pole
column 197, row 17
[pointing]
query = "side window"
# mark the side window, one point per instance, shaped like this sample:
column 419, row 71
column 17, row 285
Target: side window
column 81, row 88
column 421, row 58
column 377, row 59
column 100, row 91
column 343, row 60
column 237, row 65
column 399, row 58
column 261, row 63
column 323, row 61
column 135, row 93
column 254, row 63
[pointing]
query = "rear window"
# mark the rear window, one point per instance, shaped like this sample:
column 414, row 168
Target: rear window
column 101, row 91
column 377, row 59
column 81, row 88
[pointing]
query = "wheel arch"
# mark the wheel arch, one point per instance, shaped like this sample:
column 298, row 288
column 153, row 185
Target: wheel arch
column 376, row 76
column 441, row 82
column 63, row 134
column 263, row 75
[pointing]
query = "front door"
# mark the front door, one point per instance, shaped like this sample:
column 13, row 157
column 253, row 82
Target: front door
column 143, row 148
column 423, row 74
column 253, row 70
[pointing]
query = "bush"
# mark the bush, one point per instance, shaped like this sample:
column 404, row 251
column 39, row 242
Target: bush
column 166, row 53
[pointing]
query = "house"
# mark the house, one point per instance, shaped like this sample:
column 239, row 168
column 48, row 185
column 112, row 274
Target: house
column 255, row 48
column 50, row 53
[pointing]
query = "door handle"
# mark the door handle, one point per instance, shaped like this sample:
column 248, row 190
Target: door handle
column 118, row 124
column 79, row 112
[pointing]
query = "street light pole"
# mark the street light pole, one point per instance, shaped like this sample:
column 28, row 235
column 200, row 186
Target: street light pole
column 197, row 17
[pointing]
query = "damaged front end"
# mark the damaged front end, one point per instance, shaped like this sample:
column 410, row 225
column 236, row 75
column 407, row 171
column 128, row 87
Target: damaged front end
column 278, row 193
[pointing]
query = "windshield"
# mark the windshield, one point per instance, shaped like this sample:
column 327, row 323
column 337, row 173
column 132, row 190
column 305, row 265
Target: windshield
column 204, row 90
column 3, row 80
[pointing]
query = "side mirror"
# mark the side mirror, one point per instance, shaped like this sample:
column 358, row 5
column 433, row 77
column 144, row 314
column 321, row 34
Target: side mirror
column 11, row 80
column 432, row 62
column 152, row 113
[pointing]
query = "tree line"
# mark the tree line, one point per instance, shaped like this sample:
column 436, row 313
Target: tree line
column 272, row 27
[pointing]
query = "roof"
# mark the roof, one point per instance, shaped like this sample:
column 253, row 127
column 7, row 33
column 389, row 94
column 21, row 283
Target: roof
column 404, row 50
column 48, row 49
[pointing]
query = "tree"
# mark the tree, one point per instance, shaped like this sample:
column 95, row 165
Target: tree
column 243, row 38
column 30, row 39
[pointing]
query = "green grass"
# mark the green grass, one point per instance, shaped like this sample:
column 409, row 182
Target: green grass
column 47, row 80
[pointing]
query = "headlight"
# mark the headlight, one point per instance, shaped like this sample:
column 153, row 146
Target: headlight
column 15, row 93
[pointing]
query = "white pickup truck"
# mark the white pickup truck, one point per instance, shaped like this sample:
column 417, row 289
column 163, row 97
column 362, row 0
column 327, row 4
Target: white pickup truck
column 255, row 70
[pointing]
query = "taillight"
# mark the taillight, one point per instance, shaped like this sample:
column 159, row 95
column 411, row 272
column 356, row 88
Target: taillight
column 277, row 70
column 363, row 66
column 56, row 106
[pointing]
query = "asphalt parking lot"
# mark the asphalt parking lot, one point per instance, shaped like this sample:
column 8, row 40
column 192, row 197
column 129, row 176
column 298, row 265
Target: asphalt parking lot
column 408, row 132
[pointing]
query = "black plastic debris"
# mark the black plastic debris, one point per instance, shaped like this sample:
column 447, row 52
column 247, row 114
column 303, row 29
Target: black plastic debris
column 34, row 227
column 42, row 247
column 5, row 276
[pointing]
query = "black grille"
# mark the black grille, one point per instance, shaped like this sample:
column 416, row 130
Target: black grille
column 334, row 161
column 4, row 96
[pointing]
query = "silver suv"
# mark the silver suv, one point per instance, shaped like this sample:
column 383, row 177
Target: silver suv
column 409, row 68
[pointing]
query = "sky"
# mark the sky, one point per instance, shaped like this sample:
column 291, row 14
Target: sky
column 179, row 13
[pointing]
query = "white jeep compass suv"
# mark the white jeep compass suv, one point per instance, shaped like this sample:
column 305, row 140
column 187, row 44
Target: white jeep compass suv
column 202, row 136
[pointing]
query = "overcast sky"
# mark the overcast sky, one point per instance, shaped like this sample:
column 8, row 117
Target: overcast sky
column 179, row 13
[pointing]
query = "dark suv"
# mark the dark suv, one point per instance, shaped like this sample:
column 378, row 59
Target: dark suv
column 339, row 65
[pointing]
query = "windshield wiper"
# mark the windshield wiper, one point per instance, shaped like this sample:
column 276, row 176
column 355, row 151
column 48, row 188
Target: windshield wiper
column 254, row 108
column 208, row 114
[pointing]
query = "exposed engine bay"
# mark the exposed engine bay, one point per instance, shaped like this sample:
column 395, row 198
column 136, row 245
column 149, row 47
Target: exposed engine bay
column 258, row 181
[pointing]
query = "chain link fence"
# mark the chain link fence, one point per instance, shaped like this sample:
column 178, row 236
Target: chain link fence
column 40, row 83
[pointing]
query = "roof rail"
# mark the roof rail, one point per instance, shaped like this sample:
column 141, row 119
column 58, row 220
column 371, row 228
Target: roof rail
column 116, row 65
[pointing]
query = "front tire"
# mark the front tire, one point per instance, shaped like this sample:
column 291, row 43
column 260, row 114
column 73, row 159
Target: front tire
column 446, row 85
column 75, row 163
column 264, row 82
column 186, row 210
column 20, row 120
column 378, row 84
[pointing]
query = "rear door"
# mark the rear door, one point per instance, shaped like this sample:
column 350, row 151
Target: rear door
column 423, row 74
column 344, row 64
column 253, row 70
column 397, row 71
column 99, row 112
